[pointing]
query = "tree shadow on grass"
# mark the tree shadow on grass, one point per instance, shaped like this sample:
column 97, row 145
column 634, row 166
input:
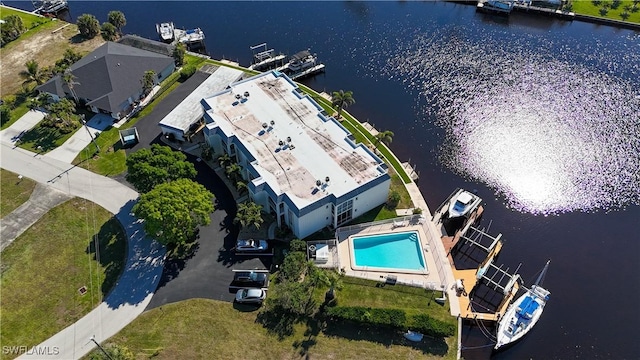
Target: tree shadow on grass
column 112, row 252
column 43, row 136
column 314, row 326
column 384, row 336
column 77, row 39
column 278, row 321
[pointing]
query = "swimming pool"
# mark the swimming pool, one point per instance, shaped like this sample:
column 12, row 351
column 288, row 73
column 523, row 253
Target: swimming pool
column 393, row 252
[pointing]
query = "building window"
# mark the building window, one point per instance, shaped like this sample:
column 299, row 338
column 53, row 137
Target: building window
column 345, row 212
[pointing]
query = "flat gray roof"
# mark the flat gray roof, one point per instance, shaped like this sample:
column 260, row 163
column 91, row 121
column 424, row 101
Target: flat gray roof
column 321, row 147
column 190, row 110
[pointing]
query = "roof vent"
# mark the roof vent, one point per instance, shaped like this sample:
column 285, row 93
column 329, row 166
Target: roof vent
column 272, row 122
column 289, row 139
column 326, row 179
column 118, row 64
column 280, row 142
column 238, row 96
column 246, row 94
column 265, row 125
column 291, row 147
column 318, row 182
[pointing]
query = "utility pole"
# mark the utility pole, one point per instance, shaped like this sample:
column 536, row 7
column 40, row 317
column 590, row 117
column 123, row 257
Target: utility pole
column 93, row 338
column 90, row 134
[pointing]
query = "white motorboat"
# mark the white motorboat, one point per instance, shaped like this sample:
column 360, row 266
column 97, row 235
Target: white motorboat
column 166, row 31
column 462, row 203
column 523, row 314
column 299, row 62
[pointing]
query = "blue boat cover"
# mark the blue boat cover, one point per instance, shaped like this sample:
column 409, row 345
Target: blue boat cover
column 527, row 307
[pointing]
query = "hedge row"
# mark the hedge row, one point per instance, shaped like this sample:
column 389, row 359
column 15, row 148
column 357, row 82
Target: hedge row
column 395, row 318
column 425, row 324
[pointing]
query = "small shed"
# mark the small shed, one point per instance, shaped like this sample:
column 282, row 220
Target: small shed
column 129, row 137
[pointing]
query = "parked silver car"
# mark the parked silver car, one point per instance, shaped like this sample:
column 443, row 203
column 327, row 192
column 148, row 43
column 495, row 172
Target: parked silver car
column 250, row 296
column 251, row 245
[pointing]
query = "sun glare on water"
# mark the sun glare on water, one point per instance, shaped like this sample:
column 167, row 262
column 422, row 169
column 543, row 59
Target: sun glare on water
column 548, row 133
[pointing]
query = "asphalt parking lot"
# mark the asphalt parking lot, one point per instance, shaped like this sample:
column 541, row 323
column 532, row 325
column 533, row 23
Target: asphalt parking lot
column 208, row 272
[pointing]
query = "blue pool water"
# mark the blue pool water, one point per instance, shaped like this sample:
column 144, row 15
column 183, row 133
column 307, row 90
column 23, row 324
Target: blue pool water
column 395, row 251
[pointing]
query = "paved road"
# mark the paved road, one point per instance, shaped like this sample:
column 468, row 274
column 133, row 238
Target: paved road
column 145, row 258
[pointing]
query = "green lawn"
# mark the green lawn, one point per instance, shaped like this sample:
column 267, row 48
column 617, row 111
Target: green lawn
column 210, row 329
column 43, row 270
column 614, row 9
column 13, row 192
column 29, row 20
column 43, row 139
column 21, row 108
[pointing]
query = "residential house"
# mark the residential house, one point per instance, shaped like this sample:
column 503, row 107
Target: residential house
column 109, row 79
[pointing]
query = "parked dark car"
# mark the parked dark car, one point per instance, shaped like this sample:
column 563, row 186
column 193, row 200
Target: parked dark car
column 251, row 279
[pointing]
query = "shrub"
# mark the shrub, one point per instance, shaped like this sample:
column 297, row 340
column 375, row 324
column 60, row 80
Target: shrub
column 5, row 113
column 417, row 211
column 433, row 327
column 298, row 245
column 292, row 267
column 11, row 29
column 395, row 318
column 187, row 71
column 393, row 200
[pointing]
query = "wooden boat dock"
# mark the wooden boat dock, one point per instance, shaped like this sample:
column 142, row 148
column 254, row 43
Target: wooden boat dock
column 471, row 252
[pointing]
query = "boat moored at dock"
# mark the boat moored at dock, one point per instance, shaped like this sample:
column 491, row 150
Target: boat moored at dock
column 166, row 31
column 462, row 203
column 523, row 314
column 192, row 38
column 52, row 7
column 302, row 64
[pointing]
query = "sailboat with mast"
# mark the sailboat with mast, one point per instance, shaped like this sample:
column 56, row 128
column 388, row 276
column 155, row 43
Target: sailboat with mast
column 523, row 314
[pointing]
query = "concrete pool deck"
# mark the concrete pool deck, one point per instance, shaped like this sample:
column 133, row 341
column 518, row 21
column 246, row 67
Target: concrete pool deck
column 431, row 280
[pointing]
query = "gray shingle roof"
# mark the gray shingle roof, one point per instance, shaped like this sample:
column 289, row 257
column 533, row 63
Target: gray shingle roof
column 109, row 75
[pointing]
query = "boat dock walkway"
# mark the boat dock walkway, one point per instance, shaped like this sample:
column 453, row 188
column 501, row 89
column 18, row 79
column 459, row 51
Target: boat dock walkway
column 470, row 246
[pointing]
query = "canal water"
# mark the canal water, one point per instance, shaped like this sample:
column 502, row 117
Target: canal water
column 541, row 117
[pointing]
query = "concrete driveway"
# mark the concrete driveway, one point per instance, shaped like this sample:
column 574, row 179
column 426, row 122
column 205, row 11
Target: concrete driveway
column 11, row 134
column 82, row 137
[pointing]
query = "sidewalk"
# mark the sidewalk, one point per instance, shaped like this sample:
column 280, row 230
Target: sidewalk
column 42, row 200
column 145, row 257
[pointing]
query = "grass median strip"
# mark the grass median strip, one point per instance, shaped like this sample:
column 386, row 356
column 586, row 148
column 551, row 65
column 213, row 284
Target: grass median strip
column 45, row 268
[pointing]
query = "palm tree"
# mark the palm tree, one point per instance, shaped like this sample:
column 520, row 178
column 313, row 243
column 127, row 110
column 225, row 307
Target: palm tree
column 32, row 74
column 342, row 99
column 224, row 160
column 384, row 137
column 335, row 283
column 242, row 187
column 70, row 80
column 249, row 213
column 148, row 81
column 117, row 19
column 233, row 172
